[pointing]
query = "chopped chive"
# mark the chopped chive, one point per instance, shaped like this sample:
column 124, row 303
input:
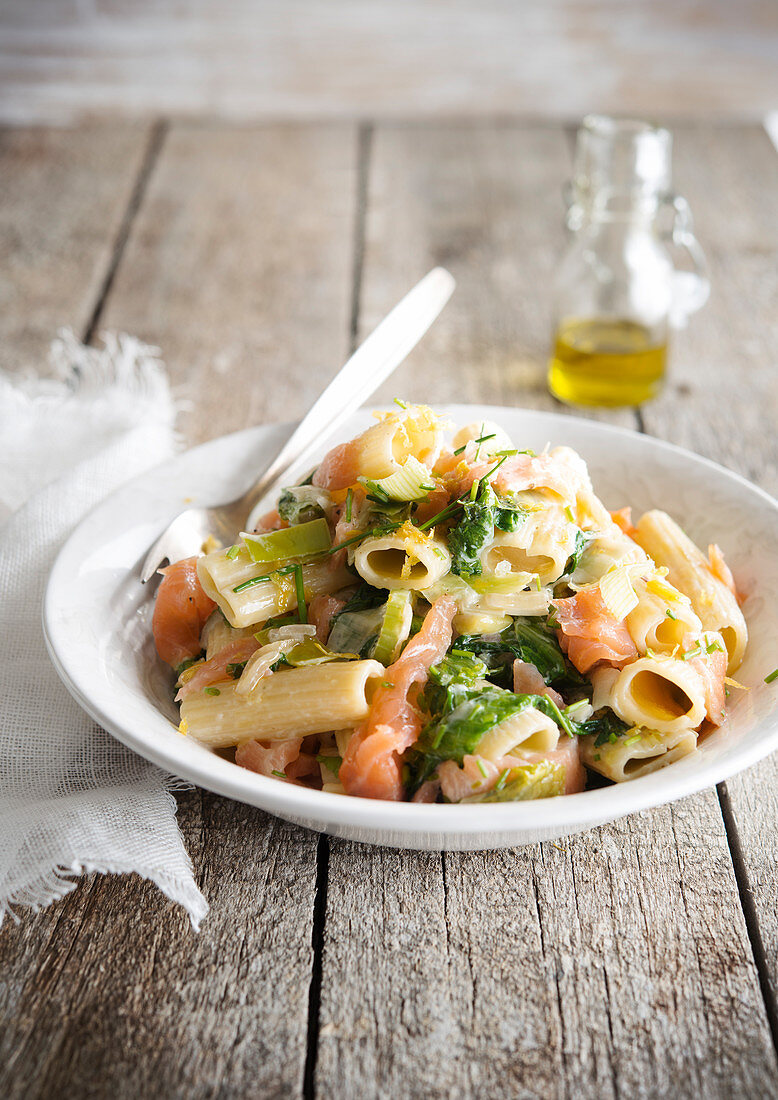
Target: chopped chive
column 501, row 781
column 633, row 739
column 773, row 676
column 302, row 610
column 383, row 530
column 509, row 453
column 349, row 499
column 447, row 511
column 211, row 691
column 670, row 615
column 478, row 443
column 536, row 584
column 459, row 450
column 481, row 768
column 376, row 492
column 281, row 775
column 569, row 514
column 233, row 552
column 692, row 653
column 494, row 469
column 485, row 438
column 402, row 404
column 713, row 647
column 284, row 571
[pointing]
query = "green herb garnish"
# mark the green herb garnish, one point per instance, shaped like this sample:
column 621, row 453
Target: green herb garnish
column 299, row 586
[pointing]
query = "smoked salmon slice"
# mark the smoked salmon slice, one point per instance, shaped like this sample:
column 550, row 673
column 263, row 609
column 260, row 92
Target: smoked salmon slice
column 215, row 670
column 591, row 633
column 180, row 612
column 372, row 765
column 340, row 467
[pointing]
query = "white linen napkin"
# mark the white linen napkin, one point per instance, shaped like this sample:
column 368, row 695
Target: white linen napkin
column 72, row 799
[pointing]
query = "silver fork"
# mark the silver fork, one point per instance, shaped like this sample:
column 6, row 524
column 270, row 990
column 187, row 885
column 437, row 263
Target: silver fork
column 369, row 366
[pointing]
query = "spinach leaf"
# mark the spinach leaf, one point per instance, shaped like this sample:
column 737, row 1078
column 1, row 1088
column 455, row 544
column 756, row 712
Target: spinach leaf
column 607, row 725
column 458, row 732
column 508, row 513
column 530, row 640
column 364, row 598
column 473, row 532
column 582, row 540
column 452, row 681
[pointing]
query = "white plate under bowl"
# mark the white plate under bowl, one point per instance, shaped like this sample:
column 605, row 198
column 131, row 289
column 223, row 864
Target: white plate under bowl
column 97, row 625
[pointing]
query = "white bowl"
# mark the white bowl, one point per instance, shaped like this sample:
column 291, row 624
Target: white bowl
column 97, row 626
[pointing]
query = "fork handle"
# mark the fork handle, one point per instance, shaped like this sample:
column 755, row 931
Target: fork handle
column 369, row 366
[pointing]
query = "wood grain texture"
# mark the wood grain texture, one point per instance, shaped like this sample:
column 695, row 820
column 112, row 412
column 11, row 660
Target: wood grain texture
column 64, row 195
column 599, row 967
column 239, row 267
column 244, row 246
column 356, row 58
column 110, row 993
column 617, row 963
column 724, row 404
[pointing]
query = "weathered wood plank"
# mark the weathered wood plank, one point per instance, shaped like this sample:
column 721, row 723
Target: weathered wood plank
column 240, row 255
column 239, row 267
column 376, row 57
column 617, row 963
column 111, row 994
column 65, row 193
column 724, row 403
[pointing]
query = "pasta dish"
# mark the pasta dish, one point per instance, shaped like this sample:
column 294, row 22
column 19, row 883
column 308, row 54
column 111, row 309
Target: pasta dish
column 437, row 615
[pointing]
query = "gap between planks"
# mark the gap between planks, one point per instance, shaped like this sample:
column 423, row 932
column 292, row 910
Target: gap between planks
column 154, row 143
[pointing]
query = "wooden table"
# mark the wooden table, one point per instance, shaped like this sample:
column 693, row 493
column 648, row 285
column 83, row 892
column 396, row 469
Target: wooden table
column 637, row 960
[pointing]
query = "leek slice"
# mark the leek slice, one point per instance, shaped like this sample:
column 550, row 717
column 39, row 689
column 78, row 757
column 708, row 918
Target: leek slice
column 311, row 652
column 617, row 592
column 355, row 631
column 546, row 779
column 411, row 482
column 300, row 541
column 396, row 626
column 491, row 584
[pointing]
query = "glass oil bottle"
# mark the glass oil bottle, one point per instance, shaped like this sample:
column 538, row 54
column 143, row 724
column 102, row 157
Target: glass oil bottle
column 617, row 291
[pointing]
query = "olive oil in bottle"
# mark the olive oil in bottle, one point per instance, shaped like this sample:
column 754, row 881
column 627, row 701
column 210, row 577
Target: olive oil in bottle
column 606, row 361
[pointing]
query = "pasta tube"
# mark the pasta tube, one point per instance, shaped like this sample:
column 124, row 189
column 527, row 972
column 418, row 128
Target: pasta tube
column 662, row 618
column 217, row 634
column 541, row 546
column 408, row 558
column 689, row 570
column 659, row 693
column 639, row 752
column 290, row 703
column 220, row 576
column 529, row 729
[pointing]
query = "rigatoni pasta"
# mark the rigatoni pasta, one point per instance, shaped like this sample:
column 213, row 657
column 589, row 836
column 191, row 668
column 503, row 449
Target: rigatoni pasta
column 461, row 621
